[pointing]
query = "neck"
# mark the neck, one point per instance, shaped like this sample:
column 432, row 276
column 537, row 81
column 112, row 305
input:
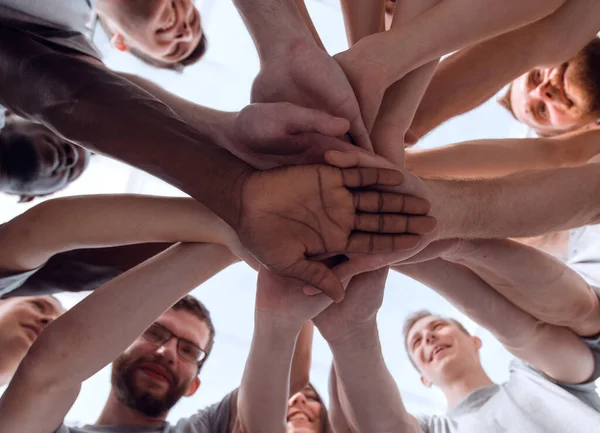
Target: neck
column 459, row 388
column 117, row 413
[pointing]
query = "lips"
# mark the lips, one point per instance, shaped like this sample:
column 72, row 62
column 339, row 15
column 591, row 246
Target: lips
column 561, row 85
column 157, row 372
column 34, row 329
column 437, row 349
column 298, row 416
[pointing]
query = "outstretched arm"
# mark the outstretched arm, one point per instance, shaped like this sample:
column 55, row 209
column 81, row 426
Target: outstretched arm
column 379, row 60
column 478, row 72
column 555, row 350
column 95, row 221
column 368, row 395
column 97, row 330
column 500, row 157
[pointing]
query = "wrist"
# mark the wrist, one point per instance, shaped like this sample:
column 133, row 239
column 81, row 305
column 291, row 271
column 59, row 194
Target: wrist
column 346, row 338
column 443, row 196
column 273, row 327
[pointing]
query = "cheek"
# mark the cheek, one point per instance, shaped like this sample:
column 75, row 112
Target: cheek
column 316, row 408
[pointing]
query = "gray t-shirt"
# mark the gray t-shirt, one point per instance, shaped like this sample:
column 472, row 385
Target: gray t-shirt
column 213, row 419
column 528, row 403
column 66, row 24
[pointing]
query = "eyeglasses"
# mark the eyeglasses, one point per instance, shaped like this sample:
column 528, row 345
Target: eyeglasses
column 159, row 335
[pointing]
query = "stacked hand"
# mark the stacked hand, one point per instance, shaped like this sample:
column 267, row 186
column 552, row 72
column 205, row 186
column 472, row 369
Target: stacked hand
column 307, row 76
column 292, row 214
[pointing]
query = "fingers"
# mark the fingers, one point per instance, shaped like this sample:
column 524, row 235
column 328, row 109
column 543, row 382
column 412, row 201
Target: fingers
column 392, row 223
column 356, row 158
column 360, row 135
column 300, row 119
column 319, row 276
column 361, row 264
column 376, row 202
column 364, row 243
column 363, row 176
column 410, row 138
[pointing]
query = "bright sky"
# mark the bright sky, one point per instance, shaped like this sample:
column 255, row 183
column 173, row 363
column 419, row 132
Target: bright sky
column 222, row 80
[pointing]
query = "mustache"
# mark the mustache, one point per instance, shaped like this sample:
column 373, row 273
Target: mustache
column 140, row 363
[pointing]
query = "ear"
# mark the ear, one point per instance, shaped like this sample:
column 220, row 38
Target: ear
column 477, row 343
column 504, row 101
column 118, row 41
column 426, row 382
column 193, row 387
column 25, row 199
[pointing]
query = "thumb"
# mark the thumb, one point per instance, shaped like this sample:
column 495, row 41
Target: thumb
column 319, row 276
column 300, row 119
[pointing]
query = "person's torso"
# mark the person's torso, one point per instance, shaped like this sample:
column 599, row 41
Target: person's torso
column 527, row 403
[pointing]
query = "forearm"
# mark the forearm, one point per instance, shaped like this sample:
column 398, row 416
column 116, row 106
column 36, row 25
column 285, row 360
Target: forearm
column 264, row 392
column 555, row 350
column 302, row 359
column 537, row 283
column 485, row 158
column 274, row 25
column 477, row 73
column 523, row 204
column 403, row 97
column 96, row 221
column 308, row 21
column 364, row 379
column 110, row 115
column 98, row 329
column 362, row 18
column 451, row 25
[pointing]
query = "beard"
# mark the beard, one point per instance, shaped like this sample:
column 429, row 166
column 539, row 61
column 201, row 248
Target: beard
column 583, row 73
column 129, row 393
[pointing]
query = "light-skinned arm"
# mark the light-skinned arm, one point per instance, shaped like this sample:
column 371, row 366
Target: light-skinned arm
column 536, row 282
column 368, row 395
column 281, row 310
column 97, row 221
column 500, row 157
column 294, row 68
column 478, row 72
column 377, row 61
column 302, row 359
column 362, row 18
column 402, row 99
column 263, row 135
column 97, row 330
column 555, row 350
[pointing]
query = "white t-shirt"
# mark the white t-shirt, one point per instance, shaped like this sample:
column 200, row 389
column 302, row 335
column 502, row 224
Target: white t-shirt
column 584, row 254
column 528, row 403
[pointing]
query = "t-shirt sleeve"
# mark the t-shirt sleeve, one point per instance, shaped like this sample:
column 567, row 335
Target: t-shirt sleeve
column 213, row 419
column 11, row 282
column 586, row 392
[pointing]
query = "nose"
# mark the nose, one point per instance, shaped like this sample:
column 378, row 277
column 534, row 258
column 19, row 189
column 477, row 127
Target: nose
column 546, row 92
column 71, row 155
column 297, row 398
column 184, row 32
column 45, row 319
column 430, row 337
column 168, row 351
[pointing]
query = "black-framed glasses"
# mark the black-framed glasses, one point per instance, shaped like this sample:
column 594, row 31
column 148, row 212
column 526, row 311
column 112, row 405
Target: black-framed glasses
column 159, row 335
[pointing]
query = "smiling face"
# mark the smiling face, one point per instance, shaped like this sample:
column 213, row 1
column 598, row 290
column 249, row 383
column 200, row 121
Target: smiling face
column 305, row 411
column 165, row 30
column 559, row 99
column 22, row 319
column 441, row 351
column 151, row 378
column 34, row 161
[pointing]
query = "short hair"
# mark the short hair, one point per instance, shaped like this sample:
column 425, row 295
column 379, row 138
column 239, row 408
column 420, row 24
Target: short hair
column 196, row 54
column 198, row 309
column 192, row 58
column 421, row 314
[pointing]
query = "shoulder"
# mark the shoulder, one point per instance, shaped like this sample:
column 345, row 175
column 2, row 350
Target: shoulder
column 212, row 419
